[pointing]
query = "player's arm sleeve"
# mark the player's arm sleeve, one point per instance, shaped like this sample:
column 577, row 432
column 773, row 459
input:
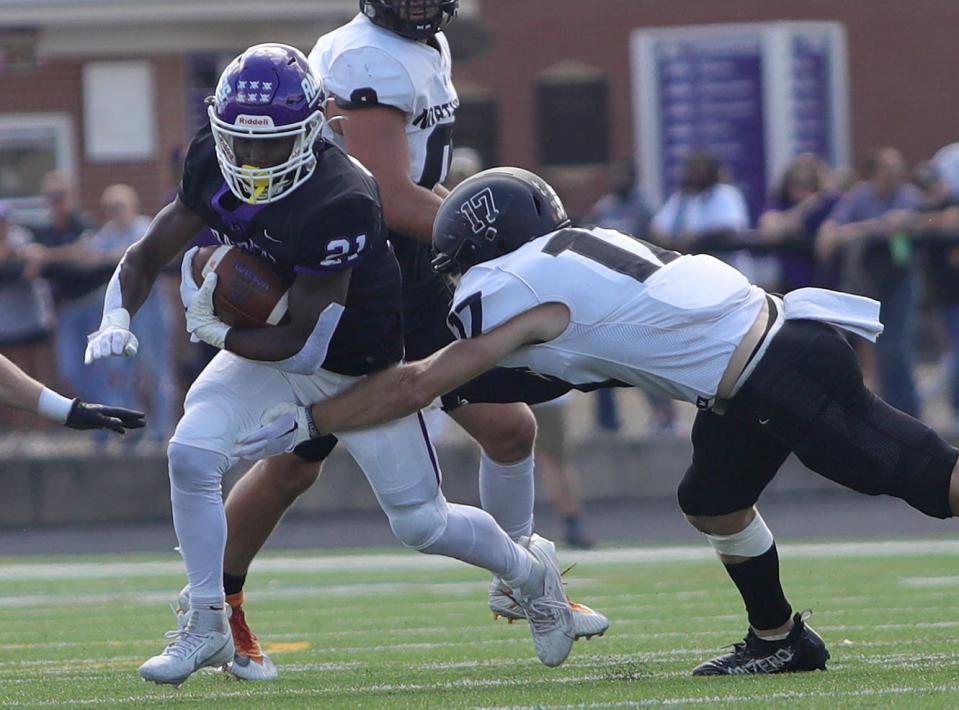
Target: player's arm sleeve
column 301, row 345
column 487, row 298
column 368, row 76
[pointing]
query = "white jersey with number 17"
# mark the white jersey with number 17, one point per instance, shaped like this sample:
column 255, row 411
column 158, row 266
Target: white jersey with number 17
column 639, row 315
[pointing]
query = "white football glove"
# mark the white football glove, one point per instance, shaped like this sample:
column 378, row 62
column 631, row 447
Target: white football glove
column 188, row 287
column 284, row 427
column 113, row 338
column 201, row 320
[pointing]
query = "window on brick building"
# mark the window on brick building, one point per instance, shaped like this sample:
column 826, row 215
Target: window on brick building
column 30, row 146
column 111, row 135
column 477, row 127
column 572, row 115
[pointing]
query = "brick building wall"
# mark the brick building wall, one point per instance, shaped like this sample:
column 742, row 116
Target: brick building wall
column 903, row 57
column 57, row 86
column 153, row 179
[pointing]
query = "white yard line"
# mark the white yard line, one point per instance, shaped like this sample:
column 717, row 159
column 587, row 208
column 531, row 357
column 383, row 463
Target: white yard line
column 924, row 582
column 756, row 698
column 339, row 598
column 413, row 562
column 712, row 640
column 264, row 692
column 348, row 591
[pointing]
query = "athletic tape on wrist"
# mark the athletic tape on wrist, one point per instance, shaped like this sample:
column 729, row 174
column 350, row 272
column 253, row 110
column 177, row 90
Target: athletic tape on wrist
column 751, row 541
column 113, row 298
column 53, row 405
column 311, row 356
column 117, row 318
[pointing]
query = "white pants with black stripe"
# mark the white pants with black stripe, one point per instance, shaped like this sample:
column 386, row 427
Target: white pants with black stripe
column 228, row 401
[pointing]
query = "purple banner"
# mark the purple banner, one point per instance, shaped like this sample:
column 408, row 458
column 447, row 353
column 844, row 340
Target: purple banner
column 812, row 96
column 711, row 96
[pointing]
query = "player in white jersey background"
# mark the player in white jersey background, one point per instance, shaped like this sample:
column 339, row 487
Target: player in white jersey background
column 593, row 307
column 389, row 73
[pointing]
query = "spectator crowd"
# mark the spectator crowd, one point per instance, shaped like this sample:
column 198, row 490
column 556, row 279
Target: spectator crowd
column 890, row 233
column 52, row 282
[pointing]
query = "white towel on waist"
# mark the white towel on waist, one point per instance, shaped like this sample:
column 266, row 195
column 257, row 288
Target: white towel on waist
column 857, row 314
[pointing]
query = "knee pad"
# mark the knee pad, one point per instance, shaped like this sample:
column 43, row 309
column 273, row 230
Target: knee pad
column 418, row 525
column 194, row 470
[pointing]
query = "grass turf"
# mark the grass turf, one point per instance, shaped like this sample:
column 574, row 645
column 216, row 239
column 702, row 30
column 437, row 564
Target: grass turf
column 400, row 630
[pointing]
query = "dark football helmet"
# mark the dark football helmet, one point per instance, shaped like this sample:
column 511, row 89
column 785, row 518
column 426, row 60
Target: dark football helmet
column 493, row 213
column 268, row 93
column 413, row 19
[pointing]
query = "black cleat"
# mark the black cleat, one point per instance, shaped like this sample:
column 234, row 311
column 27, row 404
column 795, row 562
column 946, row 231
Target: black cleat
column 802, row 650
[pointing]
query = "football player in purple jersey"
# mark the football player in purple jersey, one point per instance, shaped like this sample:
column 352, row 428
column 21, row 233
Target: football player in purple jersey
column 388, row 76
column 261, row 178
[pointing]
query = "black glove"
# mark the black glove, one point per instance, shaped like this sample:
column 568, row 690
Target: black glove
column 84, row 415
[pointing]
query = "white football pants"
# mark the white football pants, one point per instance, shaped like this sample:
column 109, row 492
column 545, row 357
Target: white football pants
column 227, row 402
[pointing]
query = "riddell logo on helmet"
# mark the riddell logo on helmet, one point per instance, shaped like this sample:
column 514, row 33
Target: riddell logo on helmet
column 254, row 121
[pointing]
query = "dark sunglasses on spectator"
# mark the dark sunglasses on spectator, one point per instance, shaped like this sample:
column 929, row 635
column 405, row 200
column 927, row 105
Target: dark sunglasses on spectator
column 56, row 196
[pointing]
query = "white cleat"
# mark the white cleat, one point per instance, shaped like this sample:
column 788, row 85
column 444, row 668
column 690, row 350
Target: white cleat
column 586, row 622
column 547, row 609
column 204, row 640
column 253, row 668
column 249, row 660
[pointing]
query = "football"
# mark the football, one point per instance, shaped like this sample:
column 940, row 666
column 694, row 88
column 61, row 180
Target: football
column 250, row 291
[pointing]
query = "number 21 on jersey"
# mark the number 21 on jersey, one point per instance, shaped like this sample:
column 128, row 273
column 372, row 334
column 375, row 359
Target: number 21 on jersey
column 343, row 251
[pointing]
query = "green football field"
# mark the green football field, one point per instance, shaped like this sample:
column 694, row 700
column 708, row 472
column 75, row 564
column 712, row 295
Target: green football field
column 393, row 629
